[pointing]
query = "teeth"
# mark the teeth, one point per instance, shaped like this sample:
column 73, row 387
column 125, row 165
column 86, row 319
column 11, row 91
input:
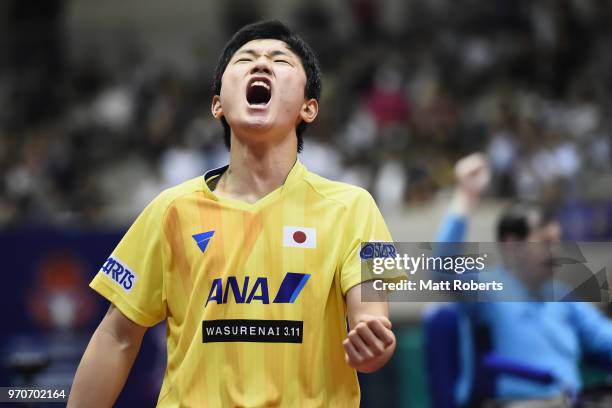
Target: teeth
column 261, row 83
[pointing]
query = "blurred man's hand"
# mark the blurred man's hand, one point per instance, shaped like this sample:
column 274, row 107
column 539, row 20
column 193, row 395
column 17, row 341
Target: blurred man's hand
column 473, row 175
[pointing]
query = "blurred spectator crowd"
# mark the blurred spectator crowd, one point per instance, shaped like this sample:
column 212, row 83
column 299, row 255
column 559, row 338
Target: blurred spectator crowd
column 528, row 82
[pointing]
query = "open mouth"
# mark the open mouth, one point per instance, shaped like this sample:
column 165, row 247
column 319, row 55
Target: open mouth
column 259, row 92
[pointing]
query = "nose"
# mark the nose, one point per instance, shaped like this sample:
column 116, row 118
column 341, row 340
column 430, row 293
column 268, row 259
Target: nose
column 262, row 66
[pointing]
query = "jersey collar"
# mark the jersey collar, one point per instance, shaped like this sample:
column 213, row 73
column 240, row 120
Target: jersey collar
column 296, row 174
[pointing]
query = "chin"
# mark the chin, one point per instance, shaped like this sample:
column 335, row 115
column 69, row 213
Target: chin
column 260, row 127
column 257, row 126
column 254, row 130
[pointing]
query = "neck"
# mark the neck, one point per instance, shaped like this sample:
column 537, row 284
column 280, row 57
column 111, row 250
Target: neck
column 526, row 277
column 256, row 169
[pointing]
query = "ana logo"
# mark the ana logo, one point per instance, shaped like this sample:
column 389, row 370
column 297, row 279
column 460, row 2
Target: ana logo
column 290, row 288
column 203, row 238
column 299, row 237
column 119, row 273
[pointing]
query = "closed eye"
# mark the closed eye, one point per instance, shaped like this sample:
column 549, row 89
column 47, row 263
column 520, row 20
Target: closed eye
column 243, row 60
column 283, row 61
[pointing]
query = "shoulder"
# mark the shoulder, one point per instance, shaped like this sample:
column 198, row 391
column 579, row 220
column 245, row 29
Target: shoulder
column 167, row 198
column 344, row 194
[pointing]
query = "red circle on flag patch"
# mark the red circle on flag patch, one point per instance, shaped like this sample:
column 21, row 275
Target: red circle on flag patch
column 299, row 237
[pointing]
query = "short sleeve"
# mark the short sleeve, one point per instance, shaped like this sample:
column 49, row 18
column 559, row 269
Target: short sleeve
column 132, row 276
column 365, row 224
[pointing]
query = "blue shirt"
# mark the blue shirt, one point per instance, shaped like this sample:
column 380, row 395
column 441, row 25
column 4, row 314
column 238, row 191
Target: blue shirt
column 545, row 335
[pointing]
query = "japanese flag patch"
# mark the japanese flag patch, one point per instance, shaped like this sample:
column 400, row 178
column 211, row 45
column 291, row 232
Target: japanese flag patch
column 299, row 237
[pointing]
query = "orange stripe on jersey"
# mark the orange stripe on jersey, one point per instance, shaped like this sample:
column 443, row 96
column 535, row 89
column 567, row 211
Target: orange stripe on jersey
column 174, row 235
column 252, row 229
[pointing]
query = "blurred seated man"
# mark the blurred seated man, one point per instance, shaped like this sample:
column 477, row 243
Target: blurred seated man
column 552, row 336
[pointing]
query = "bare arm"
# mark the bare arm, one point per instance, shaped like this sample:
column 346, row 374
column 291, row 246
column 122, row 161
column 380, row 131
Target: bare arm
column 107, row 361
column 370, row 342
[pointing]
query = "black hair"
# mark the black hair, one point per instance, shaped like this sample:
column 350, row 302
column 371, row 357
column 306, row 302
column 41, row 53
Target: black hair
column 275, row 30
column 519, row 220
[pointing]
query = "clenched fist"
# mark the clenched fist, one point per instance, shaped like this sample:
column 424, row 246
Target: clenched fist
column 473, row 173
column 369, row 344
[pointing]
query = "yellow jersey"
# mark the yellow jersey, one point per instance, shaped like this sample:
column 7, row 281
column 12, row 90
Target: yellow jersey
column 252, row 294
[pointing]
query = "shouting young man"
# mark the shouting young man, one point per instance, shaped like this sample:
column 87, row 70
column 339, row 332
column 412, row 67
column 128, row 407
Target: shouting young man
column 255, row 267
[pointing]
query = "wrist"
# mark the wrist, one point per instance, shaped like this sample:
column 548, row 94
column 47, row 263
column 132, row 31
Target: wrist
column 463, row 202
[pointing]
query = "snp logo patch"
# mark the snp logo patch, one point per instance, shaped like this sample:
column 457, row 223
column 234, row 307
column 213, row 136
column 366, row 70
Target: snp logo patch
column 119, row 273
column 371, row 250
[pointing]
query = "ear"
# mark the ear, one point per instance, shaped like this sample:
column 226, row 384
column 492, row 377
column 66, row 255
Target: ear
column 309, row 110
column 215, row 108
